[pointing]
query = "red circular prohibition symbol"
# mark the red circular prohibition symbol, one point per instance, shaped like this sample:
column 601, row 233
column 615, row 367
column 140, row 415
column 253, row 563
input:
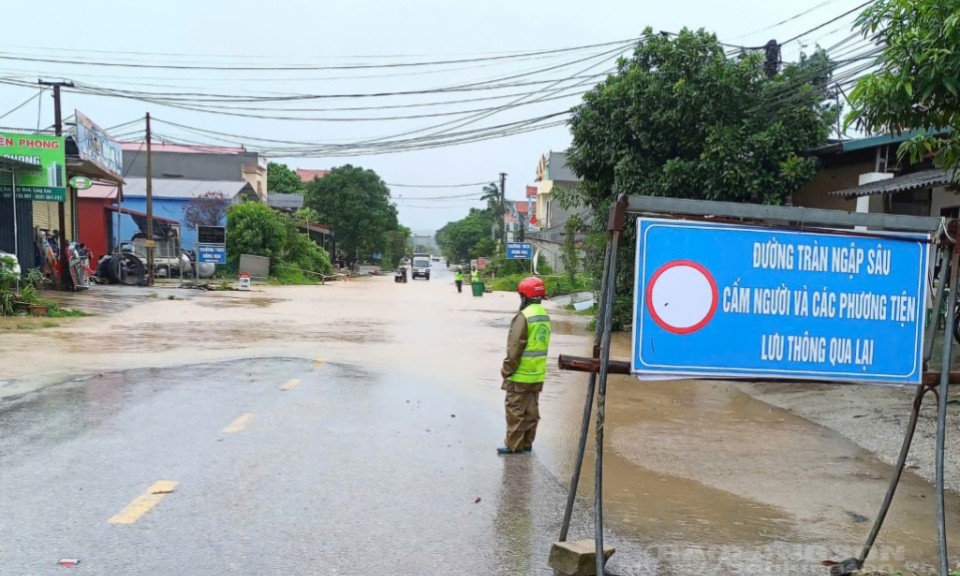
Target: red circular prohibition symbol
column 713, row 297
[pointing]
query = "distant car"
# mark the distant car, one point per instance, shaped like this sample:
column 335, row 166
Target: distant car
column 16, row 263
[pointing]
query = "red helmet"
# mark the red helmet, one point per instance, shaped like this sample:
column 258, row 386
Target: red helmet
column 532, row 287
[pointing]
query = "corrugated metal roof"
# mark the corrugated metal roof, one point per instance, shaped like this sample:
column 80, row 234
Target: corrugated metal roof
column 924, row 179
column 285, row 201
column 176, row 188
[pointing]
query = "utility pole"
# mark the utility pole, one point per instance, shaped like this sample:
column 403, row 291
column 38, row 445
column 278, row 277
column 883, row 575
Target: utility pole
column 66, row 282
column 503, row 209
column 150, row 242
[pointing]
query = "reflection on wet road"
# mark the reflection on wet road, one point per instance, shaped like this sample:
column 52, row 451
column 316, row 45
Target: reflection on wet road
column 350, row 429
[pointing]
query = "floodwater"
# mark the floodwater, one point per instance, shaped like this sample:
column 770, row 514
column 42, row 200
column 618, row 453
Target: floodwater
column 705, row 476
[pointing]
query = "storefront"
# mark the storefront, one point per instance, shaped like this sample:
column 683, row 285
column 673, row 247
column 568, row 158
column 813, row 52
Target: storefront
column 32, row 171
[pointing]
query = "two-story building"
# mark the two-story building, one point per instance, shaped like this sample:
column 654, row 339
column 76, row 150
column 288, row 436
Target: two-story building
column 212, row 163
column 550, row 218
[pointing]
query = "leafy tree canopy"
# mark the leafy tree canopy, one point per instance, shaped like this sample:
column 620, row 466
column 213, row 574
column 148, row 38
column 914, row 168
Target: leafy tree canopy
column 918, row 83
column 355, row 202
column 468, row 237
column 282, row 180
column 680, row 118
column 254, row 228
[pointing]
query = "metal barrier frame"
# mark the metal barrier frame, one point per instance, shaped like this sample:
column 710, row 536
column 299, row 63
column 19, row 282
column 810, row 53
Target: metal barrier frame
column 943, row 232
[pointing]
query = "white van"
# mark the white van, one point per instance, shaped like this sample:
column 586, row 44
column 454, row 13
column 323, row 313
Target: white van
column 421, row 266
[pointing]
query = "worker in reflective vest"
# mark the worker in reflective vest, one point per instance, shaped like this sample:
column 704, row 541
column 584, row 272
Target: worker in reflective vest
column 474, row 275
column 459, row 279
column 525, row 367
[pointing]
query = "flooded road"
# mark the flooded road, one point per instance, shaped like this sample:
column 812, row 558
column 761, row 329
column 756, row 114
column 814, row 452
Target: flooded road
column 373, row 460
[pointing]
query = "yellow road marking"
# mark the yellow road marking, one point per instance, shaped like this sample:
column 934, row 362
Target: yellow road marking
column 319, row 362
column 290, row 384
column 239, row 424
column 144, row 503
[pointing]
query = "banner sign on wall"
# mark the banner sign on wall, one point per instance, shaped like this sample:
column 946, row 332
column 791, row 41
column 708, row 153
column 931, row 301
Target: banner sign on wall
column 96, row 147
column 46, row 179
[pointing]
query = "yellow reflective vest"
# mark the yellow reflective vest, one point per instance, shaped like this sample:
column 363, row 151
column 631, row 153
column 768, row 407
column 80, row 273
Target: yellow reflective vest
column 475, row 276
column 533, row 362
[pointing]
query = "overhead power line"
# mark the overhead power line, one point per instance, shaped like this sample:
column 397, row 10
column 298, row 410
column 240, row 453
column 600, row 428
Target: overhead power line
column 22, row 104
column 467, row 185
column 143, row 65
column 829, row 22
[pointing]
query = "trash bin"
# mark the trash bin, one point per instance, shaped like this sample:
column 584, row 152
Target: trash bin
column 477, row 288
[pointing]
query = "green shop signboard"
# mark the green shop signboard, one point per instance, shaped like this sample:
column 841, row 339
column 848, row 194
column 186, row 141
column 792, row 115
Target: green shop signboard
column 42, row 167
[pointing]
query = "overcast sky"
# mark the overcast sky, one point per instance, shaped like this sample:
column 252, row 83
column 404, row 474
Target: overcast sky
column 285, row 32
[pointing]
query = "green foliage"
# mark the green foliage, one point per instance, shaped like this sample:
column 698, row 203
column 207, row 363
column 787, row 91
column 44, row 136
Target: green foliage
column 681, row 119
column 35, row 278
column 493, row 196
column 556, row 285
column 6, row 302
column 256, row 229
column 55, row 311
column 282, row 180
column 8, row 283
column 29, row 294
column 570, row 255
column 463, row 240
column 396, row 247
column 917, row 86
column 302, row 252
column 288, row 275
column 355, row 202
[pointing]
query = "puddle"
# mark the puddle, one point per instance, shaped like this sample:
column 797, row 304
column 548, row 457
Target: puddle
column 698, row 466
column 703, row 463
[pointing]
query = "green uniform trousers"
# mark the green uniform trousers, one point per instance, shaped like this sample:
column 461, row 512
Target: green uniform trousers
column 523, row 414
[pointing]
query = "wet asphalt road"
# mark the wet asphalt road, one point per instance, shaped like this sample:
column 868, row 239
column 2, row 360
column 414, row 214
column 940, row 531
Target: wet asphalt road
column 281, row 467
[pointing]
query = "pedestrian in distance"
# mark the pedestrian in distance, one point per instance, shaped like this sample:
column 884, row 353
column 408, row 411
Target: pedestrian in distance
column 459, row 280
column 525, row 367
column 474, row 275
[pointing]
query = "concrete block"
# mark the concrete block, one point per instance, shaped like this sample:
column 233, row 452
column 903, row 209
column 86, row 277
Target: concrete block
column 577, row 558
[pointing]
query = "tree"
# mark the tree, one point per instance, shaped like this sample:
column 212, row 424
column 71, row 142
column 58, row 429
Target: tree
column 396, row 246
column 681, row 119
column 207, row 209
column 495, row 205
column 571, row 254
column 463, row 239
column 256, row 229
column 917, row 84
column 282, row 180
column 356, row 204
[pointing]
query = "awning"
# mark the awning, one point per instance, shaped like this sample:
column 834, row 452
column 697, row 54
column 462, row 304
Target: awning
column 917, row 180
column 162, row 227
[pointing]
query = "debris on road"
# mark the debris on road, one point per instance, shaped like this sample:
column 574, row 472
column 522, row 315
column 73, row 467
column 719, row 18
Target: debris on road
column 68, row 563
